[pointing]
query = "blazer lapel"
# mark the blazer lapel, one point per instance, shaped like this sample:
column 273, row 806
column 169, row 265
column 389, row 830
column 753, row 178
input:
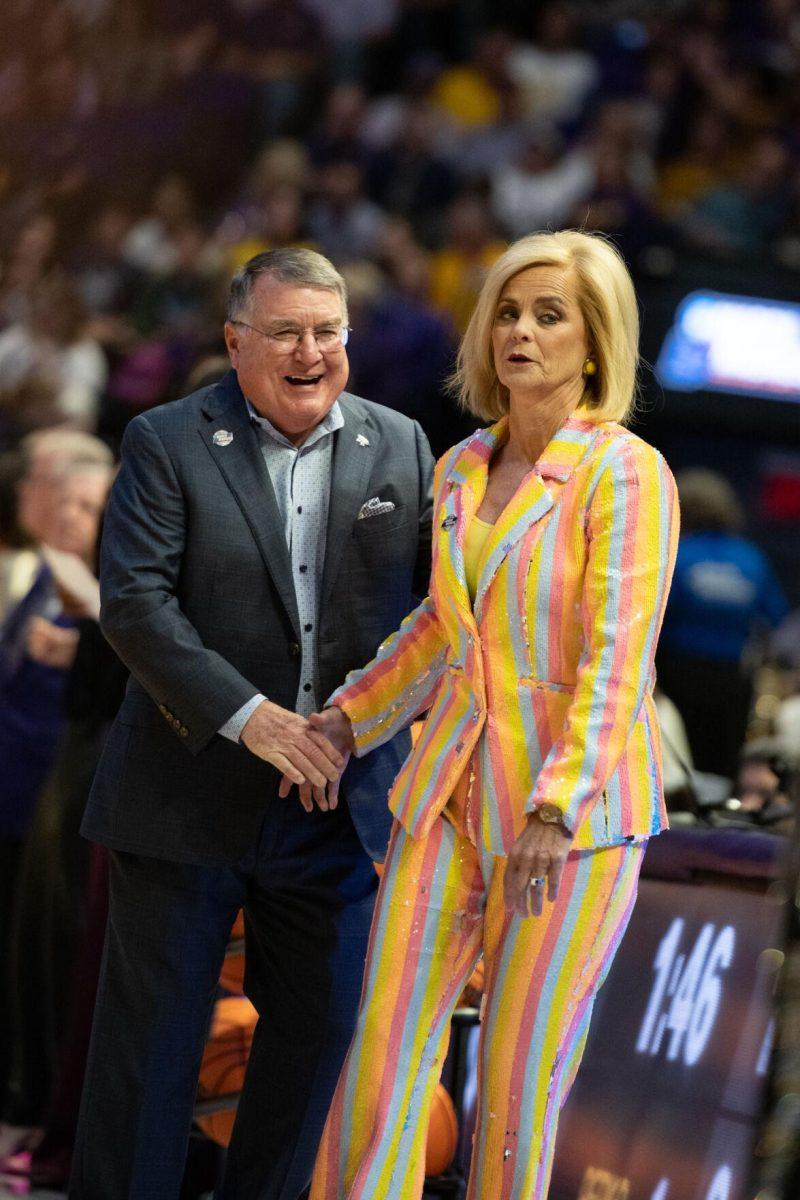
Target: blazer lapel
column 240, row 461
column 535, row 497
column 467, row 478
column 354, row 456
column 529, row 505
column 457, row 509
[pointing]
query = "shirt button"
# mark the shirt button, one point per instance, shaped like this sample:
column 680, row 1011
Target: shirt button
column 299, row 508
column 306, row 687
column 302, row 569
column 308, row 627
column 294, row 649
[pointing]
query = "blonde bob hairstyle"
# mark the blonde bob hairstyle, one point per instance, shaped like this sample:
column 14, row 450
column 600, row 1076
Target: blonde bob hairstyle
column 608, row 304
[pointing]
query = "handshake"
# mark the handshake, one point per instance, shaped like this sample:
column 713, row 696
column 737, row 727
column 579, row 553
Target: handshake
column 311, row 753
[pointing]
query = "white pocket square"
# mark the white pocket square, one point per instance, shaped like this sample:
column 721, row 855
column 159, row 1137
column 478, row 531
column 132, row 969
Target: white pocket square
column 374, row 508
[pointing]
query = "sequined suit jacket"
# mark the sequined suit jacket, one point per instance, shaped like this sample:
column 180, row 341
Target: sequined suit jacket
column 543, row 689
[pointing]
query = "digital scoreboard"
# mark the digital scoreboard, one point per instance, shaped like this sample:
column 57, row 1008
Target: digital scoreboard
column 669, row 1092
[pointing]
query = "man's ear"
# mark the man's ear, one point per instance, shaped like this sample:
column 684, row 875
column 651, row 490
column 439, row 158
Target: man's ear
column 232, row 340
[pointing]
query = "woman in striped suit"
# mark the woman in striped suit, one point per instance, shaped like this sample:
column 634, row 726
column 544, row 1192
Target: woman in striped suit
column 523, row 811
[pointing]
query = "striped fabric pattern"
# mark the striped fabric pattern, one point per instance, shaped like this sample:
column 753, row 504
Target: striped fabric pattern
column 440, row 901
column 544, row 689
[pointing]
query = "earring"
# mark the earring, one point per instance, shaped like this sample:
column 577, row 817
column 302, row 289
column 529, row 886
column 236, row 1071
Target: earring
column 590, row 367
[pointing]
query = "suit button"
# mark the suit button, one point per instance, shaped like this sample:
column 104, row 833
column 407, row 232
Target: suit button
column 459, row 747
column 183, row 731
column 294, row 649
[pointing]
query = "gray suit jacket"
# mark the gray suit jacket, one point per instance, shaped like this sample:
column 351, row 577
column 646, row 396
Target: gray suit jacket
column 198, row 601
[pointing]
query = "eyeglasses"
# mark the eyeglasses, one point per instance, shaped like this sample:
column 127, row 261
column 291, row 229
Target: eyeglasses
column 289, row 337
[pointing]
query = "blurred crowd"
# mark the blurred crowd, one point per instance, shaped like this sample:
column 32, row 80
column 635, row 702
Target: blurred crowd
column 149, row 147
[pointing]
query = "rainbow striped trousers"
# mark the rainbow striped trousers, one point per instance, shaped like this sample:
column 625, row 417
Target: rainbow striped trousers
column 439, row 906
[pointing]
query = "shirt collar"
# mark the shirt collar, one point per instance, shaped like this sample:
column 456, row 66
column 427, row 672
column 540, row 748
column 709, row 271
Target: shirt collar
column 332, row 421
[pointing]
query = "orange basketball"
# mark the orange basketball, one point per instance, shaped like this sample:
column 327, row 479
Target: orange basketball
column 231, row 976
column 222, row 1075
column 224, row 1063
column 442, row 1133
column 471, row 996
column 238, row 926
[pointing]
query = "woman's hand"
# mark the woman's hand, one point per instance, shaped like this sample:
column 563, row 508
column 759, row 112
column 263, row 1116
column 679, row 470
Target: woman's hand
column 538, row 854
column 334, row 724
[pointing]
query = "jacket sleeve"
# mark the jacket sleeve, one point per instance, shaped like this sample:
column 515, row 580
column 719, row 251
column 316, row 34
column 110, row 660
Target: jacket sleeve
column 631, row 532
column 386, row 695
column 144, row 538
column 398, row 684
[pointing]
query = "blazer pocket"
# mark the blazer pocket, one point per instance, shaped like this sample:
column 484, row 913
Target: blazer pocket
column 379, row 526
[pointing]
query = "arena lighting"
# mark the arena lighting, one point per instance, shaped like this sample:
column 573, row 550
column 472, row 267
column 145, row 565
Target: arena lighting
column 733, row 344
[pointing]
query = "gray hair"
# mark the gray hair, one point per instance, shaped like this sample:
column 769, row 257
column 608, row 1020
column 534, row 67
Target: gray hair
column 68, row 445
column 305, row 268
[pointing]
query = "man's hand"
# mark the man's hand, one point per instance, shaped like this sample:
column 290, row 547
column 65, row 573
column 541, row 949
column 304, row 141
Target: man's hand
column 51, row 645
column 335, row 725
column 539, row 853
column 290, row 743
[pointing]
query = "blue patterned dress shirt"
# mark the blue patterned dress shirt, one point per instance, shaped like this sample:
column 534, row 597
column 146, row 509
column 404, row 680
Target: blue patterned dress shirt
column 301, row 480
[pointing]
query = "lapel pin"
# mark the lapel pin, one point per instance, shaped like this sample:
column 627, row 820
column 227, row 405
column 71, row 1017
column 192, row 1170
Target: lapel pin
column 449, row 522
column 362, row 441
column 223, row 437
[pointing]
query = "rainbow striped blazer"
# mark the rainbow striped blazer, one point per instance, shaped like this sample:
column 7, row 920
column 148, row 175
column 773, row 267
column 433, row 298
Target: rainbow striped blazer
column 543, row 687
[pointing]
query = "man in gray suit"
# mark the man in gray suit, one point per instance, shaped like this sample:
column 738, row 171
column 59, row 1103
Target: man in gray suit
column 263, row 536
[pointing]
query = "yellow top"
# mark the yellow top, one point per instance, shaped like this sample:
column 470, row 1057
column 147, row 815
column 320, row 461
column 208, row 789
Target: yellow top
column 475, row 540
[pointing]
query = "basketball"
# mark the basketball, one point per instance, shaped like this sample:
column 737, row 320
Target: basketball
column 442, row 1133
column 223, row 1067
column 473, row 992
column 231, row 977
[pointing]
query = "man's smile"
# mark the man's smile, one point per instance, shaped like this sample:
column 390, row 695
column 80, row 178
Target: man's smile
column 303, row 380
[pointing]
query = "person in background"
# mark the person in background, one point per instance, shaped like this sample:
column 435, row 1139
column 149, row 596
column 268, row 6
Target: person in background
column 27, row 261
column 18, row 558
column 47, row 453
column 53, row 346
column 723, row 595
column 763, row 783
column 38, row 641
column 60, row 901
column 342, row 220
column 537, row 771
column 393, row 327
column 459, row 268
